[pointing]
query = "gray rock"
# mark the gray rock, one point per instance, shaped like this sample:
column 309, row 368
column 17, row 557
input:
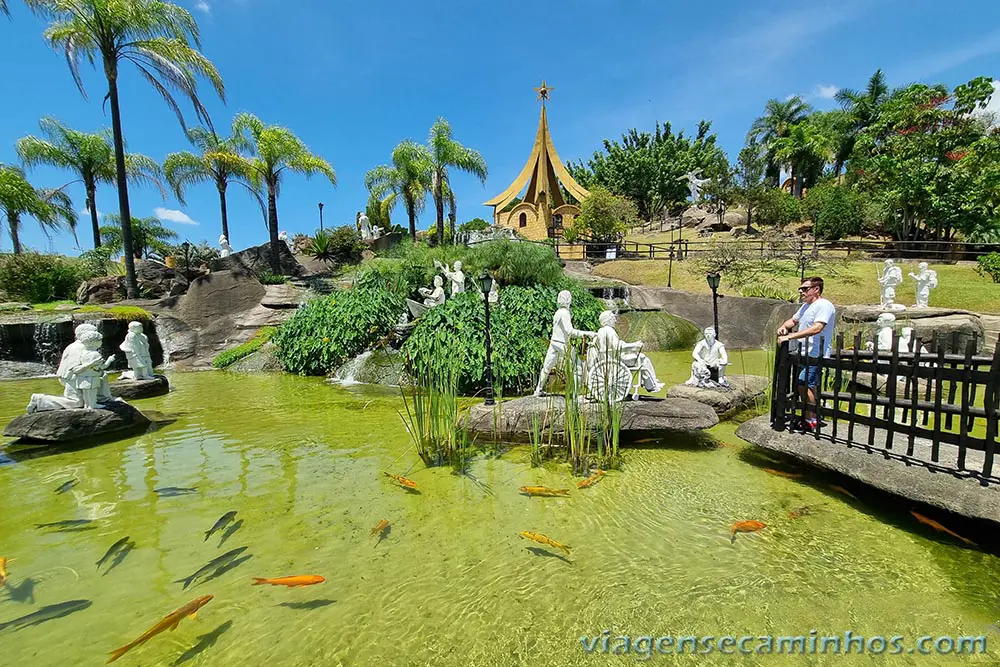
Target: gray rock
column 258, row 259
column 67, row 425
column 264, row 360
column 13, row 306
column 133, row 389
column 17, row 370
column 67, row 307
column 220, row 293
column 694, row 216
column 659, row 331
column 744, row 392
column 104, row 289
column 514, row 417
column 956, row 327
column 285, row 295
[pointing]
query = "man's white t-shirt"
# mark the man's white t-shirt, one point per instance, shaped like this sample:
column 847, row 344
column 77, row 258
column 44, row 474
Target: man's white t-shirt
column 820, row 310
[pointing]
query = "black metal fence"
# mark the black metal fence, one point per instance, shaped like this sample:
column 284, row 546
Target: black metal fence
column 936, row 408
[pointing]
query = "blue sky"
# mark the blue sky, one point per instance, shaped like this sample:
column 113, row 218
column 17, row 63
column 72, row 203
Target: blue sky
column 355, row 77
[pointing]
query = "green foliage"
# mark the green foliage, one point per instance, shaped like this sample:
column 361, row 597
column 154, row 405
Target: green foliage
column 474, row 225
column 408, row 178
column 95, row 263
column 836, row 210
column 989, row 265
column 768, row 291
column 604, row 216
column 124, row 313
column 778, row 209
column 446, row 153
column 646, row 168
column 749, row 177
column 516, row 262
column 37, row 278
column 148, row 236
column 50, row 208
column 327, row 332
column 267, row 278
column 197, row 255
column 776, row 123
column 520, row 323
column 342, row 244
column 234, row 354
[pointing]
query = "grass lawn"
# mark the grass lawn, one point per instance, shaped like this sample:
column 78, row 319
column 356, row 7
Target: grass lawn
column 846, row 283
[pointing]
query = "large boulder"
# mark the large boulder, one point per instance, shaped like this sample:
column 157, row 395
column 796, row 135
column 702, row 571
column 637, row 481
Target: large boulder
column 104, row 289
column 659, row 331
column 955, row 327
column 744, row 391
column 117, row 417
column 694, row 216
column 218, row 294
column 264, row 360
column 257, row 259
column 513, row 420
column 128, row 389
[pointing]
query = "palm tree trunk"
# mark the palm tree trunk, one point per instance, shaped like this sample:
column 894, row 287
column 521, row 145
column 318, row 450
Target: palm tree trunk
column 131, row 289
column 92, row 207
column 225, row 217
column 439, row 209
column 13, row 222
column 272, row 228
column 749, row 217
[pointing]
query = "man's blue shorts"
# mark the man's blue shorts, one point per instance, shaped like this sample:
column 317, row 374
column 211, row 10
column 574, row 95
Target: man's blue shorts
column 809, row 376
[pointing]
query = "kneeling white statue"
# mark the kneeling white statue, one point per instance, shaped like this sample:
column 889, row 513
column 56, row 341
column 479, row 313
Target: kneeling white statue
column 610, row 346
column 82, row 371
column 709, row 354
column 136, row 349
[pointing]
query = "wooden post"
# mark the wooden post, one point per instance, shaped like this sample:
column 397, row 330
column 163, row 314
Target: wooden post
column 963, row 425
column 837, row 379
column 990, row 406
column 938, row 395
column 890, row 389
column 854, row 387
column 914, row 398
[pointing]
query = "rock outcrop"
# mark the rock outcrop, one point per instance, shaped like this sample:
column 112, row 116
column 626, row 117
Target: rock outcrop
column 128, row 390
column 117, row 417
column 744, row 391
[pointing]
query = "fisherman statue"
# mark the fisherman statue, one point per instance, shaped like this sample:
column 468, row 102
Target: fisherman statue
column 694, row 185
column 82, row 372
column 889, row 280
column 926, row 281
column 709, row 355
column 562, row 333
column 136, row 349
column 456, row 276
column 227, row 249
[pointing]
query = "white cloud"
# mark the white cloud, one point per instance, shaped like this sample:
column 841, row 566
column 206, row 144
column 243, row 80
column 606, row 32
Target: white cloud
column 825, row 92
column 203, row 6
column 171, row 215
column 86, row 211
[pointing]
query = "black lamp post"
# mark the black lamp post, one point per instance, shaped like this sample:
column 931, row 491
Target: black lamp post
column 187, row 260
column 321, row 216
column 670, row 268
column 486, row 285
column 713, row 281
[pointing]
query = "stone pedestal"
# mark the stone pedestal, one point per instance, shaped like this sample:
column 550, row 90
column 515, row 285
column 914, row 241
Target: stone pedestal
column 67, row 425
column 743, row 391
column 129, row 389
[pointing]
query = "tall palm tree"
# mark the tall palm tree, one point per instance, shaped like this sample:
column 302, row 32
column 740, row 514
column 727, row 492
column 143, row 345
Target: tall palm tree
column 90, row 156
column 148, row 233
column 18, row 198
column 446, row 153
column 271, row 151
column 805, row 150
column 379, row 210
column 775, row 123
column 863, row 108
column 4, row 9
column 159, row 38
column 186, row 168
column 409, row 178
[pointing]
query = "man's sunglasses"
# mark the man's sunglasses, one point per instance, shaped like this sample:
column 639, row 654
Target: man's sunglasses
column 803, row 290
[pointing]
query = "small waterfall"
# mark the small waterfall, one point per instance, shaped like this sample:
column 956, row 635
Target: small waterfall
column 347, row 375
column 49, row 342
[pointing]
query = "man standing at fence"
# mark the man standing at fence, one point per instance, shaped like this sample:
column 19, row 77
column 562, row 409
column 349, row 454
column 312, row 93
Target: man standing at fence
column 815, row 320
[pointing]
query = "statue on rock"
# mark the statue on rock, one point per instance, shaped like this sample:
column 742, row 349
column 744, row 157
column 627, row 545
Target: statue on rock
column 908, row 344
column 709, row 355
column 365, row 228
column 456, row 276
column 562, row 333
column 886, row 325
column 227, row 249
column 608, row 345
column 82, row 371
column 136, row 349
column 283, row 237
column 694, row 185
column 434, row 297
column 891, row 277
column 926, row 281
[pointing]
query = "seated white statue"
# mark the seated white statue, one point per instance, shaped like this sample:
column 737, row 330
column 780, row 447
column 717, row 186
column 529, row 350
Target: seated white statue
column 434, row 297
column 136, row 349
column 456, row 277
column 709, row 354
column 82, row 373
column 926, row 281
column 227, row 249
column 886, row 325
column 609, row 346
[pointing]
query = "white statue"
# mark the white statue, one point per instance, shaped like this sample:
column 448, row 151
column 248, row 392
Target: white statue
column 926, row 281
column 227, row 249
column 694, row 185
column 434, row 297
column 908, row 344
column 709, row 353
column 283, row 237
column 456, row 276
column 82, row 372
column 562, row 332
column 886, row 325
column 136, row 349
column 892, row 276
column 609, row 346
column 494, row 295
column 365, row 227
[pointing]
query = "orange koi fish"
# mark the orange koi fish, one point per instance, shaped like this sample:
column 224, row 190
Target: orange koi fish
column 800, row 511
column 168, row 623
column 782, row 473
column 590, row 481
column 840, row 489
column 380, row 528
column 291, row 582
column 408, row 483
column 541, row 539
column 3, row 569
column 936, row 526
column 745, row 527
column 543, row 491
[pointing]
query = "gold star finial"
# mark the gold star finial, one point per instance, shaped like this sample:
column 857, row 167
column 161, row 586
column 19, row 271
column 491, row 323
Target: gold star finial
column 543, row 92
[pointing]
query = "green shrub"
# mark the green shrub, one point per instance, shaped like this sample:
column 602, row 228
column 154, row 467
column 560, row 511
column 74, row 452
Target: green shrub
column 515, row 262
column 126, row 313
column 777, row 208
column 603, row 216
column 327, row 332
column 520, row 326
column 37, row 278
column 836, row 210
column 989, row 265
column 95, row 263
column 768, row 291
column 234, row 354
column 267, row 278
column 474, row 225
column 343, row 245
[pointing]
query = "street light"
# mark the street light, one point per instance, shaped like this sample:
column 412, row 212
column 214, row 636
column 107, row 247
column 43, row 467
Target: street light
column 321, row 216
column 486, row 285
column 713, row 282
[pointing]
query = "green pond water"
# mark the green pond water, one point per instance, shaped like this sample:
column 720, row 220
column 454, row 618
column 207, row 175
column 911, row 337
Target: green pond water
column 301, row 462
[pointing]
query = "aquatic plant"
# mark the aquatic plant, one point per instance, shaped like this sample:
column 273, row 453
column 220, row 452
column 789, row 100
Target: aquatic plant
column 232, row 355
column 432, row 418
